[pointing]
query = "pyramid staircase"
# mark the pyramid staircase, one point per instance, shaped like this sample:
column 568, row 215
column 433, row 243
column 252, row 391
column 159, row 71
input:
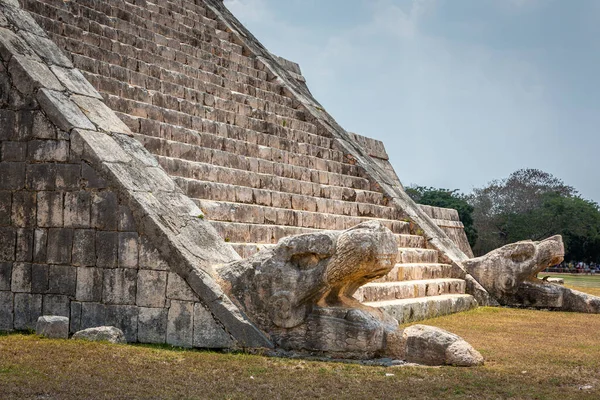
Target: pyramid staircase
column 235, row 140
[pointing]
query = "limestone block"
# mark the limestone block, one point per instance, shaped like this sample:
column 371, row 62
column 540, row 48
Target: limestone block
column 13, row 151
column 128, row 249
column 27, row 310
column 39, row 278
column 60, row 245
column 89, row 284
column 5, row 276
column 48, row 150
column 98, row 147
column 124, row 318
column 77, row 209
column 101, row 334
column 107, row 249
column 180, row 324
column 75, row 82
column 152, row 325
column 24, row 209
column 151, row 288
column 64, row 113
column 178, row 289
column 11, row 44
column 104, row 216
column 92, row 315
column 5, row 208
column 149, row 256
column 40, row 242
column 126, row 221
column 119, row 286
column 62, row 279
column 75, row 317
column 84, row 247
column 100, row 114
column 207, row 333
column 50, row 209
column 20, row 18
column 12, row 175
column 29, row 75
column 53, row 327
column 24, row 248
column 21, row 278
column 40, row 127
column 90, row 178
column 56, row 304
column 46, row 49
column 41, row 176
column 67, row 176
column 8, row 237
column 6, row 311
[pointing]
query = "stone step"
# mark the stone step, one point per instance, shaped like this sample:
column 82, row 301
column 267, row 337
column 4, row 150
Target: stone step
column 411, row 255
column 246, row 250
column 261, row 215
column 414, row 241
column 418, row 309
column 379, row 291
column 421, row 271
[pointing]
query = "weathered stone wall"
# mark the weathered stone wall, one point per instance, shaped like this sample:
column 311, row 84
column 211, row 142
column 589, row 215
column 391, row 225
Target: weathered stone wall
column 449, row 220
column 87, row 217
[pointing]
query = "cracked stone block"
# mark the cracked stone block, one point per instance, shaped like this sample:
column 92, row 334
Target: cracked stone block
column 50, row 209
column 21, row 278
column 29, row 75
column 11, row 44
column 149, row 256
column 64, row 113
column 75, row 82
column 125, row 318
column 20, row 18
column 60, row 245
column 46, row 49
column 24, row 209
column 151, row 288
column 104, row 216
column 178, row 289
column 6, row 310
column 152, row 325
column 107, row 249
column 180, row 324
column 78, row 207
column 128, row 249
column 12, row 175
column 126, row 221
column 92, row 315
column 55, row 304
column 75, row 317
column 119, row 286
column 40, row 242
column 27, row 310
column 8, row 238
column 84, row 247
column 89, row 284
column 62, row 279
column 207, row 333
column 39, row 278
column 53, row 327
column 100, row 114
column 5, row 275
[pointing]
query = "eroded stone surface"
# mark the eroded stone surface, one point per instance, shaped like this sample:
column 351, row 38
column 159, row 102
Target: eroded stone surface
column 101, row 334
column 53, row 327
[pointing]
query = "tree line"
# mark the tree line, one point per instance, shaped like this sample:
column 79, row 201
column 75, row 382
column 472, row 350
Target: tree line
column 529, row 204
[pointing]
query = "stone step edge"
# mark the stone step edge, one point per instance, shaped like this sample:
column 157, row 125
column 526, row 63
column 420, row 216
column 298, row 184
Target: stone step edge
column 427, row 299
column 413, row 282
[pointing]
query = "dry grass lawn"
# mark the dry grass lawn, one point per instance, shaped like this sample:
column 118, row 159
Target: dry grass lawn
column 529, row 354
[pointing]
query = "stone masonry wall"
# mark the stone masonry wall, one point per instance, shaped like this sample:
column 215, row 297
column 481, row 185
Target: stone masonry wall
column 82, row 207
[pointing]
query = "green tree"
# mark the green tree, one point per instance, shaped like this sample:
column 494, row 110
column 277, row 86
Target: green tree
column 447, row 199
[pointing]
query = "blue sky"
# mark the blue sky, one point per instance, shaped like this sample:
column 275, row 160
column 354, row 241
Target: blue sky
column 460, row 91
